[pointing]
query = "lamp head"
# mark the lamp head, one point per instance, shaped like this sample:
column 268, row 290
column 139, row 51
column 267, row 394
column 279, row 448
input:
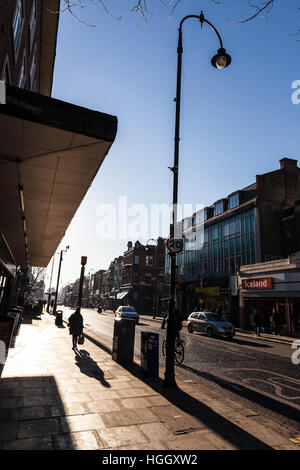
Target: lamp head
column 221, row 59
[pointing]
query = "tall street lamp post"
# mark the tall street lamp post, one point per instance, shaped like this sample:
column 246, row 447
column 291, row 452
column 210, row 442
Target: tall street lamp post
column 220, row 61
column 83, row 263
column 58, row 276
column 50, row 287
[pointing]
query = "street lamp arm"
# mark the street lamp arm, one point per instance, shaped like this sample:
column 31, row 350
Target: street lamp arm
column 202, row 20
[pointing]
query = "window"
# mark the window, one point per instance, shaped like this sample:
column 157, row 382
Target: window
column 234, row 201
column 219, row 208
column 136, row 259
column 148, row 278
column 215, row 232
column 22, row 77
column 5, row 76
column 149, row 260
column 32, row 22
column 33, row 68
column 201, row 216
column 18, row 23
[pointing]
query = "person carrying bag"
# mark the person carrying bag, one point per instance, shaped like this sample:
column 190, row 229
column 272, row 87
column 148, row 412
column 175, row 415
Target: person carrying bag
column 76, row 327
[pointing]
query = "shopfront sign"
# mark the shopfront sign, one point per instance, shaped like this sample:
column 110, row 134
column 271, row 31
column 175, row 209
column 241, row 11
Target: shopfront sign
column 258, row 283
column 208, row 291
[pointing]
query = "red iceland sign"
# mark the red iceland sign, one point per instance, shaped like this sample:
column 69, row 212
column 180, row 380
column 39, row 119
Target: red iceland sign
column 257, row 283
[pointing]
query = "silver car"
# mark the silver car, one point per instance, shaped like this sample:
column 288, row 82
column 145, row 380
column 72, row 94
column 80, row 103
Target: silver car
column 127, row 312
column 210, row 323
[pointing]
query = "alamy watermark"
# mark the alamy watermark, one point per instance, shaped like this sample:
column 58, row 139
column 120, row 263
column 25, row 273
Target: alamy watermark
column 296, row 94
column 2, row 352
column 137, row 221
column 296, row 353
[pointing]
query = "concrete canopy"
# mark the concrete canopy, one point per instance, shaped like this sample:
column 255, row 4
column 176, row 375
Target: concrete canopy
column 50, row 152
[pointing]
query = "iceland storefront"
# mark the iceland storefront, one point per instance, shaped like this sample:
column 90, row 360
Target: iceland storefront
column 268, row 287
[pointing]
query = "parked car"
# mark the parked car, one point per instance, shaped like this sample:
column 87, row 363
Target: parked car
column 210, row 323
column 127, row 312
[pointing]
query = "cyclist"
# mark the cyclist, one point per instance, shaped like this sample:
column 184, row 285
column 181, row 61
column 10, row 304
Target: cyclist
column 178, row 323
column 177, row 316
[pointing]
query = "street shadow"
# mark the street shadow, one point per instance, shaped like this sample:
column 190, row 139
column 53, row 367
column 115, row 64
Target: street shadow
column 89, row 367
column 32, row 415
column 268, row 402
column 244, row 342
column 97, row 343
column 229, row 431
column 235, row 340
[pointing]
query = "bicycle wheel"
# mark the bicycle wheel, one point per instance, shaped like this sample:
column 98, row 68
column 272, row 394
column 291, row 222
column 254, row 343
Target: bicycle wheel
column 164, row 347
column 179, row 353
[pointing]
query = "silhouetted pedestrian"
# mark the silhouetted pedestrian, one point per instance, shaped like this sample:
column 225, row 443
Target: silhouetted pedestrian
column 76, row 326
column 257, row 323
column 276, row 320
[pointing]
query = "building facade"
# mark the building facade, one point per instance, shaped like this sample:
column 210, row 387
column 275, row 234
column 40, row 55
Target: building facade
column 26, row 61
column 272, row 286
column 242, row 228
column 143, row 276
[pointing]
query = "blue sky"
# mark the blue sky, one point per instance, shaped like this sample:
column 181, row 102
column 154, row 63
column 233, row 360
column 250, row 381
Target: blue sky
column 235, row 123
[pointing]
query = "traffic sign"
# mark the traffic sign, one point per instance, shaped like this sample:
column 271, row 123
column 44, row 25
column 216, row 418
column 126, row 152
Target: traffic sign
column 175, row 245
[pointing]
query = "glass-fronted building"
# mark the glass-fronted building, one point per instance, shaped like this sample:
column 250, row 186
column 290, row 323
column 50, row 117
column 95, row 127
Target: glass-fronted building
column 240, row 229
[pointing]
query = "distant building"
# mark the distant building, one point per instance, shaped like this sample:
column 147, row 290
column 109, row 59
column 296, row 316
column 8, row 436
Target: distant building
column 143, row 276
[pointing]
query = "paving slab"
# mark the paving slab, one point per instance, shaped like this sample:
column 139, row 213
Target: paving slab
column 52, row 398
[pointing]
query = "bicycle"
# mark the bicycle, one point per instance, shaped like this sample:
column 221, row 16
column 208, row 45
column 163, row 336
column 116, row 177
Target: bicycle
column 179, row 350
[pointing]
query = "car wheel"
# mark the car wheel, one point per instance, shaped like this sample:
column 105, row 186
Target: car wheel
column 209, row 332
column 190, row 328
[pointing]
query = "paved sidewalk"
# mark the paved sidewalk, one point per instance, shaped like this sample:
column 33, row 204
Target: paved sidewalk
column 54, row 398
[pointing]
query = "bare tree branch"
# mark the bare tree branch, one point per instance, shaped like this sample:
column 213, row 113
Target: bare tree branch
column 265, row 7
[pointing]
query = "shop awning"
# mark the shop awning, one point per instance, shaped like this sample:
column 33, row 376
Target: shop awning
column 50, row 152
column 122, row 295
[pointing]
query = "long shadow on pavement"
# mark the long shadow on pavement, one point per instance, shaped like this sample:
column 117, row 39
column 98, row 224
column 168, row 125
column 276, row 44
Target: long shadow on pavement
column 250, row 394
column 32, row 415
column 190, row 405
column 89, row 367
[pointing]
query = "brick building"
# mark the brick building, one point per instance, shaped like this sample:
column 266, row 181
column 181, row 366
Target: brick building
column 28, row 43
column 50, row 150
column 143, row 276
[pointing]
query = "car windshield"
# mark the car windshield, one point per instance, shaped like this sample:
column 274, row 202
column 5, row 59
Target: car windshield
column 128, row 309
column 213, row 317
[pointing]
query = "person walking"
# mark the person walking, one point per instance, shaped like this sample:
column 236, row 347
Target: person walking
column 76, row 326
column 164, row 319
column 257, row 323
column 276, row 321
